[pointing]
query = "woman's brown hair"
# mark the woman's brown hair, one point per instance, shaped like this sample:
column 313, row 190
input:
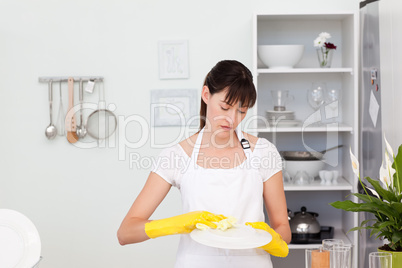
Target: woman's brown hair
column 236, row 78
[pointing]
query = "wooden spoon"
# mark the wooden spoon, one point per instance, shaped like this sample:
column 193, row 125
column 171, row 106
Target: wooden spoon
column 71, row 125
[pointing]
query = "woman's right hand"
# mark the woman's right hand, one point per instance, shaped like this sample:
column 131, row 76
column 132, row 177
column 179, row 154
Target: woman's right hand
column 136, row 227
column 181, row 224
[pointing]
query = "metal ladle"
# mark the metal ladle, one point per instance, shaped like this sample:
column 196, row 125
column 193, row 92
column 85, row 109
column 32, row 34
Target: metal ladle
column 81, row 130
column 51, row 130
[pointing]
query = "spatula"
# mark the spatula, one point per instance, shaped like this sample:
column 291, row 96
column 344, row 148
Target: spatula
column 71, row 125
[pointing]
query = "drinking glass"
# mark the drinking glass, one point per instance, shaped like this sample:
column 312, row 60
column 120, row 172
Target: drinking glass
column 317, row 258
column 380, row 260
column 347, row 247
column 341, row 256
column 280, row 98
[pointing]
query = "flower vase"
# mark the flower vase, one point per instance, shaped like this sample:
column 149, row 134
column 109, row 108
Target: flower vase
column 325, row 57
column 396, row 257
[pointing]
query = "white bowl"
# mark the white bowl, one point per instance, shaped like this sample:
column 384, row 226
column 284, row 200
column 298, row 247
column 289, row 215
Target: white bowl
column 280, row 56
column 312, row 167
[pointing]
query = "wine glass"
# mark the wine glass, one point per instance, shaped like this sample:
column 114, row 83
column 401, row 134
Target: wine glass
column 316, row 98
column 333, row 94
column 332, row 99
column 316, row 95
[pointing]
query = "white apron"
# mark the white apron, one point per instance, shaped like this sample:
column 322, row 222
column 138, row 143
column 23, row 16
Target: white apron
column 234, row 192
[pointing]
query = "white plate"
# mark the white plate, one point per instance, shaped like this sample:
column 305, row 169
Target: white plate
column 20, row 243
column 238, row 237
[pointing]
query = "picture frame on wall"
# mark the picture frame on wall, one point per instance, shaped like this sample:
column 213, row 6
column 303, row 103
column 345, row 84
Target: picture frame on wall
column 175, row 107
column 173, row 59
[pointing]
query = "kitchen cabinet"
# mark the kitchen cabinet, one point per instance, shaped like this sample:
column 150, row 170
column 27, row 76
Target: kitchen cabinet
column 303, row 28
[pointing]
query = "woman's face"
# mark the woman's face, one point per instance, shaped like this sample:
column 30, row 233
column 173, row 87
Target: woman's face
column 222, row 117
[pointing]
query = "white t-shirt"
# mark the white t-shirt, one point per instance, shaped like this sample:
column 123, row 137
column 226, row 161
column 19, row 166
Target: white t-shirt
column 173, row 162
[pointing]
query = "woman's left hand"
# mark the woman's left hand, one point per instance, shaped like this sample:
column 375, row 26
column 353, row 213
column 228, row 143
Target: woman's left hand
column 277, row 247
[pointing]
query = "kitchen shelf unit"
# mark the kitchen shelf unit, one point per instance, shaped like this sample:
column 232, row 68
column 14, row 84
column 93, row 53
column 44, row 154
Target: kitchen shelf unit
column 341, row 185
column 303, row 28
column 305, row 70
column 338, row 234
column 300, row 129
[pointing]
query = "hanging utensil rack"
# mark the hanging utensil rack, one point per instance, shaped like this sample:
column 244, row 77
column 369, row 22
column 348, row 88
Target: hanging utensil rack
column 80, row 79
column 46, row 79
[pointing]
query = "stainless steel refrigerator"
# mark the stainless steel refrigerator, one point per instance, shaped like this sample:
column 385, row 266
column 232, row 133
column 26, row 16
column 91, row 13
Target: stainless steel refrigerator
column 370, row 132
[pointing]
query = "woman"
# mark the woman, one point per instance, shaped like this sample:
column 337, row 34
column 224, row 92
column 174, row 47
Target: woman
column 220, row 172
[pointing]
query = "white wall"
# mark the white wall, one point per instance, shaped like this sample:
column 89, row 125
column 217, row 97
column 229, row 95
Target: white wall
column 78, row 197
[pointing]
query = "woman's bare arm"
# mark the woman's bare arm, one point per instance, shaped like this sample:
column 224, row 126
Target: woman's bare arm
column 132, row 228
column 275, row 203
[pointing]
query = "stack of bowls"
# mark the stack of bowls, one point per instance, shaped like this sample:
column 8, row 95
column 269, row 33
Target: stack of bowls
column 281, row 118
column 280, row 115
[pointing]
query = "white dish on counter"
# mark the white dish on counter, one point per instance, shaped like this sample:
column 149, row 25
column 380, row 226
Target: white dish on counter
column 20, row 244
column 237, row 237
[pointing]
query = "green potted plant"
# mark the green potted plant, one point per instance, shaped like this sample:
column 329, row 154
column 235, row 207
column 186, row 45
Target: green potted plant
column 384, row 203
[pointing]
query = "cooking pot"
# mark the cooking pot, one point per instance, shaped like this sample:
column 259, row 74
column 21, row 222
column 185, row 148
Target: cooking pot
column 303, row 155
column 304, row 226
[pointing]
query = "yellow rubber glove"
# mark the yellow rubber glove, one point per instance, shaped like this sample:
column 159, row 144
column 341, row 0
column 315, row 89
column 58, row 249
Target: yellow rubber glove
column 181, row 224
column 277, row 247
